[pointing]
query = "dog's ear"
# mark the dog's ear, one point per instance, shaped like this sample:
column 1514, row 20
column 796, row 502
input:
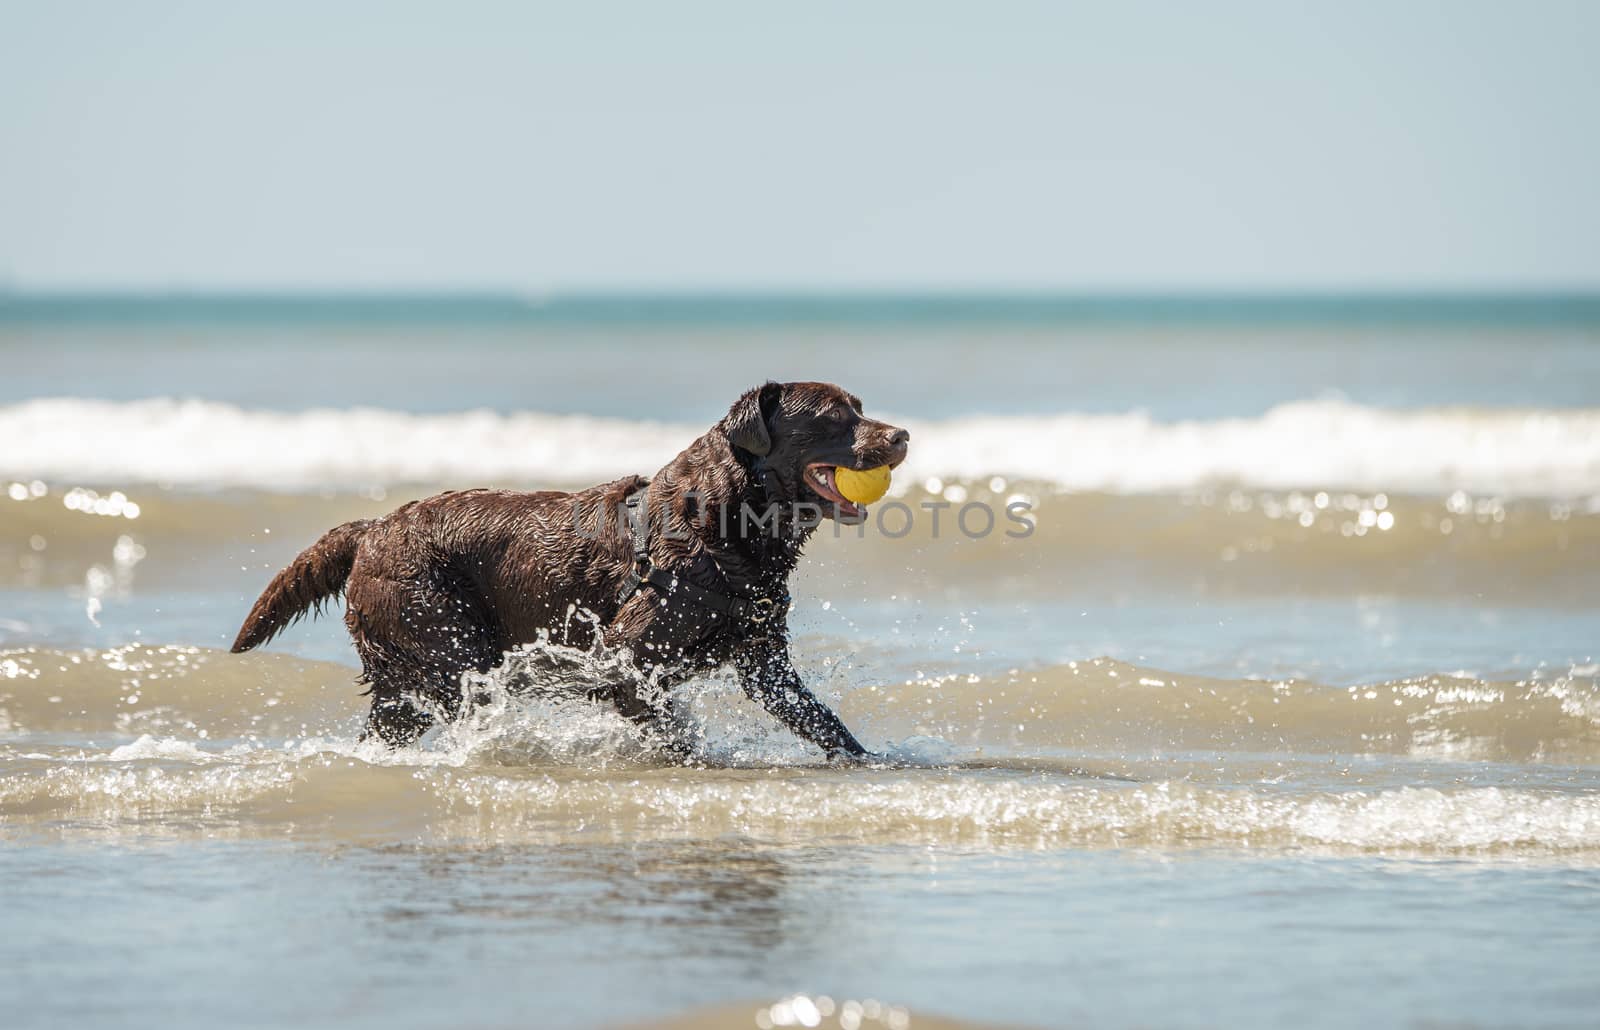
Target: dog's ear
column 746, row 424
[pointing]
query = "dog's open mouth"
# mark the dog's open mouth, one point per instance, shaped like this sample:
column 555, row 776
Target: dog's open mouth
column 819, row 477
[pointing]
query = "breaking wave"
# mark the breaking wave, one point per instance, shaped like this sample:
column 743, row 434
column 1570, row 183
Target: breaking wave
column 1095, row 706
column 333, row 794
column 177, row 740
column 1323, row 443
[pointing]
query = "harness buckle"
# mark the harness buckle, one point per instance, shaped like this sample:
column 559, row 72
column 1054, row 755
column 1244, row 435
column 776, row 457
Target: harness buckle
column 764, row 607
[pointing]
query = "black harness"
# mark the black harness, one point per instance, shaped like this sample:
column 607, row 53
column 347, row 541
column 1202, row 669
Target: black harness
column 759, row 610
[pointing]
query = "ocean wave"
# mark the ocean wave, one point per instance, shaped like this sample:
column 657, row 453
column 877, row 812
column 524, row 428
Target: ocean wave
column 1232, row 542
column 333, row 794
column 1306, row 444
column 1097, row 706
column 181, row 740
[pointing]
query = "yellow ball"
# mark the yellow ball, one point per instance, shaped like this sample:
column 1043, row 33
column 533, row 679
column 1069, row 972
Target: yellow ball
column 862, row 487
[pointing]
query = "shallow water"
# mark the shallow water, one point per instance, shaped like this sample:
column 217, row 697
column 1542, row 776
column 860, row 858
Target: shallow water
column 274, row 933
column 1285, row 709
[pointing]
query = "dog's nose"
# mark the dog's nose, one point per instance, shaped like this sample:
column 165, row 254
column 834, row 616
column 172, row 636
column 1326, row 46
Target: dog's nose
column 898, row 437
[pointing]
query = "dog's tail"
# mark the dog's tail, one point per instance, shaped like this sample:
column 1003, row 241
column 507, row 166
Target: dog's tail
column 313, row 577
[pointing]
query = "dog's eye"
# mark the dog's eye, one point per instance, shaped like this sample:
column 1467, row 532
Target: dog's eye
column 839, row 414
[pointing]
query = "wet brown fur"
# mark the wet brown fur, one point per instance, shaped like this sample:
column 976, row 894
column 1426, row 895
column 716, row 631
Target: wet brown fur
column 449, row 584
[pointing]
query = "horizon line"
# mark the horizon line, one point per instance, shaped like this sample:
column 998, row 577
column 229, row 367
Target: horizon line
column 1513, row 306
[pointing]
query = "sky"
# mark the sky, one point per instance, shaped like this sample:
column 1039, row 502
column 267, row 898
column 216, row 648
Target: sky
column 799, row 146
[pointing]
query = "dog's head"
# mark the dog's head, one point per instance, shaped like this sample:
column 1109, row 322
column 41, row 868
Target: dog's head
column 797, row 434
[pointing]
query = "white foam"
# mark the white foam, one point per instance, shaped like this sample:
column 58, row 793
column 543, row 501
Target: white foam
column 165, row 748
column 1325, row 443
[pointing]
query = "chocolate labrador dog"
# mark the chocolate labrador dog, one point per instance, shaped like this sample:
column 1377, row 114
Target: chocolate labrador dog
column 684, row 572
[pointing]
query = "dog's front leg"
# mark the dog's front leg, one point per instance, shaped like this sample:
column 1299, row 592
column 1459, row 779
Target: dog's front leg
column 769, row 677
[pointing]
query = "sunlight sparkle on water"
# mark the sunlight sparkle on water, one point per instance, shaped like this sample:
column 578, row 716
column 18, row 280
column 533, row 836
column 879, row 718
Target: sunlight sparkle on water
column 115, row 504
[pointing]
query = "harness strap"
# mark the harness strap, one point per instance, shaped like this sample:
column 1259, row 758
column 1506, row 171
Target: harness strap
column 642, row 572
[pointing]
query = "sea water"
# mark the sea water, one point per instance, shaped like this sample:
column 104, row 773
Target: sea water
column 1284, row 708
